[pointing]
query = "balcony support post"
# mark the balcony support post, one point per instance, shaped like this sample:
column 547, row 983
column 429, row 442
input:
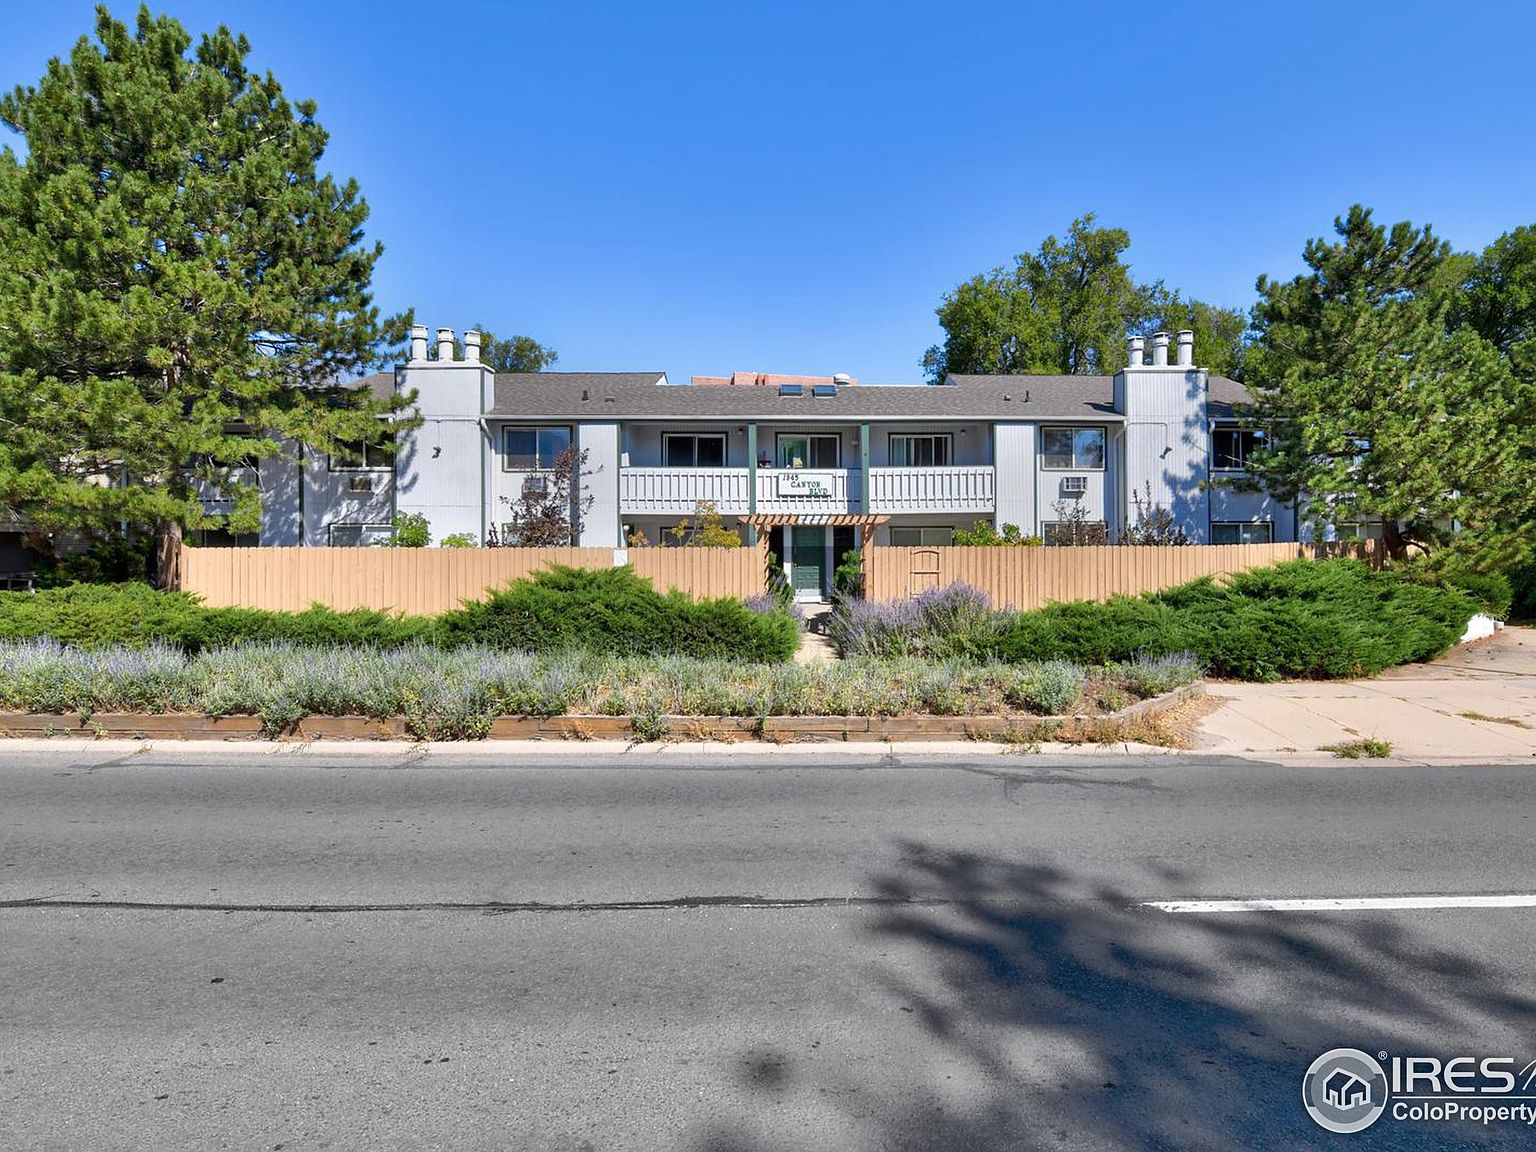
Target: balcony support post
column 751, row 480
column 864, row 469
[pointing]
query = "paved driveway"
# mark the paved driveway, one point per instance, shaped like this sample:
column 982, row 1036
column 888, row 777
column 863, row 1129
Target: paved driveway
column 1477, row 701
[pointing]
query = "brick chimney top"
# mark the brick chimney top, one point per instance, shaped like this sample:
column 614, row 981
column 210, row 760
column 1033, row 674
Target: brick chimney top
column 770, row 380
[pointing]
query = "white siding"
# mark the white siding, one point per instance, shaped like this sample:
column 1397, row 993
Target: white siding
column 281, row 523
column 329, row 499
column 1253, row 507
column 1014, row 446
column 442, row 465
column 600, row 523
column 1167, row 443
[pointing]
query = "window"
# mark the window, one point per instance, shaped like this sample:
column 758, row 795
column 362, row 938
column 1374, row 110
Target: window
column 359, row 535
column 1242, row 532
column 798, row 451
column 532, row 449
column 925, row 451
column 1080, row 532
column 1232, row 446
column 926, row 537
column 1063, row 448
column 1358, row 530
column 222, row 538
column 688, row 451
column 361, row 457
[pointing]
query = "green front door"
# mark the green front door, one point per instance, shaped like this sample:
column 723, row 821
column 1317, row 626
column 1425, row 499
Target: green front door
column 808, row 558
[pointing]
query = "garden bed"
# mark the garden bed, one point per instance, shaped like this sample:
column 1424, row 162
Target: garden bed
column 1132, row 722
column 426, row 693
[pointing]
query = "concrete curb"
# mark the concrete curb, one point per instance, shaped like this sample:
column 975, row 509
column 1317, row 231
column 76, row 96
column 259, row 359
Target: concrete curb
column 584, row 732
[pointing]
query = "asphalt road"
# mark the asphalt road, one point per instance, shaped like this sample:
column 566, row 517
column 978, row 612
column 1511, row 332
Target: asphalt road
column 204, row 952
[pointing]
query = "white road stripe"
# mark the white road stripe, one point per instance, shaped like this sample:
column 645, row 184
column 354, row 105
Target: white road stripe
column 1344, row 904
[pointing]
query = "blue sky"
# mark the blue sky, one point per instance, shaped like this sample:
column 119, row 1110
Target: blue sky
column 702, row 188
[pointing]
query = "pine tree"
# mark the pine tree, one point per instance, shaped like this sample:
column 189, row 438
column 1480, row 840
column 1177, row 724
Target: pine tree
column 181, row 287
column 1380, row 409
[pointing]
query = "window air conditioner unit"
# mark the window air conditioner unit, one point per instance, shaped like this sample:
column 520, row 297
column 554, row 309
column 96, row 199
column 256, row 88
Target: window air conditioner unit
column 1074, row 485
column 361, row 484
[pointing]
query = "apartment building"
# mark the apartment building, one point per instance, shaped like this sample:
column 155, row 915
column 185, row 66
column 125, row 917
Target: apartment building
column 817, row 463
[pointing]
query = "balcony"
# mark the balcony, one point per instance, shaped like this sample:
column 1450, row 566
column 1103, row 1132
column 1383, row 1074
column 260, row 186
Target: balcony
column 897, row 490
column 809, row 491
column 677, row 491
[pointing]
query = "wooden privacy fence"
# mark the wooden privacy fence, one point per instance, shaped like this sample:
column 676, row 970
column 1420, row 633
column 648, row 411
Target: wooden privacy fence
column 1026, row 578
column 425, row 581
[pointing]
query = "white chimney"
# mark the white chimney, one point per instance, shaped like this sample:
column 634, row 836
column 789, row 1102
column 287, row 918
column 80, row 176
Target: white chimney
column 445, row 344
column 1186, row 349
column 471, row 347
column 1160, row 349
column 418, row 342
column 1135, row 348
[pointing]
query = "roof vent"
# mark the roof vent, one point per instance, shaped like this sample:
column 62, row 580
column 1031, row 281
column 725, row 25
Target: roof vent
column 823, row 389
column 841, row 378
column 791, row 389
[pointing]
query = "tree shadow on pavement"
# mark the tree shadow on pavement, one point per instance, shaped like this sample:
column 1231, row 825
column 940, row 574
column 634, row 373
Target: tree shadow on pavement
column 1045, row 1010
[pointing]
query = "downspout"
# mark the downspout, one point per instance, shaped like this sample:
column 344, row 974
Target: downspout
column 485, row 450
column 303, row 517
column 1034, row 468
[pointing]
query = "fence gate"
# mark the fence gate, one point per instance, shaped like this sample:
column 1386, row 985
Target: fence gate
column 922, row 570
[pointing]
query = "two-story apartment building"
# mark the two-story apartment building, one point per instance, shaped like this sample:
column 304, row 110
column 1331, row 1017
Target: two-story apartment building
column 816, row 463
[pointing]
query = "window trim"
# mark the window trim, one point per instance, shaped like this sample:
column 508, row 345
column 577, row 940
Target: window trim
column 539, row 465
column 1241, row 525
column 1075, row 466
column 361, row 526
column 725, row 445
column 949, row 448
column 780, row 437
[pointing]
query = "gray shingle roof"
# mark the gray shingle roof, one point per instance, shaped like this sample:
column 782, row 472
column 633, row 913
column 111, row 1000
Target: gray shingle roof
column 640, row 396
column 1226, row 398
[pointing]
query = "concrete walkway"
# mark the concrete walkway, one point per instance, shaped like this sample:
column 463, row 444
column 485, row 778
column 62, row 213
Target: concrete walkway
column 815, row 648
column 1477, row 701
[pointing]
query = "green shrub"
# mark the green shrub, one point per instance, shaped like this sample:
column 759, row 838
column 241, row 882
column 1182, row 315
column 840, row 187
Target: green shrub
column 614, row 610
column 609, row 610
column 104, row 615
column 1304, row 619
column 412, row 530
column 110, row 559
column 982, row 534
column 1491, row 592
column 1522, row 583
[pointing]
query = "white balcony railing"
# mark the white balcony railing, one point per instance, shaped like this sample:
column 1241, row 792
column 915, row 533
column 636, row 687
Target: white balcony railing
column 677, row 491
column 894, row 490
column 809, row 491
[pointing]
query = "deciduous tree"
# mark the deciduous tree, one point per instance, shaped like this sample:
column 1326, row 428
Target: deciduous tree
column 1066, row 308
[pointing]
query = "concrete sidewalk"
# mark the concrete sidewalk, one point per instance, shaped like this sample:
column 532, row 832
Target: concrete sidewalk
column 1478, row 701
